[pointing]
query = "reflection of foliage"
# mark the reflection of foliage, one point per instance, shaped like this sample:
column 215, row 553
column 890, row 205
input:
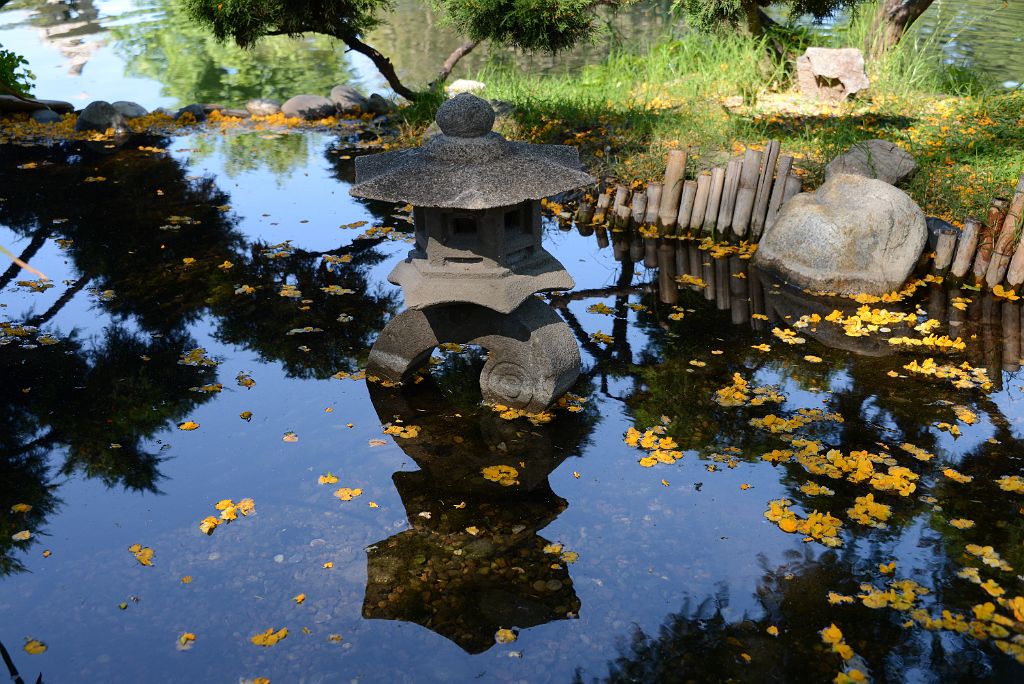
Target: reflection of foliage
column 246, row 152
column 194, row 67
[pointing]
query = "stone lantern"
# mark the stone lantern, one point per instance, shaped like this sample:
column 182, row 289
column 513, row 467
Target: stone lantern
column 478, row 256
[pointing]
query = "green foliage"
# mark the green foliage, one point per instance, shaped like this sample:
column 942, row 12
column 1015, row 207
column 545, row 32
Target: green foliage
column 550, row 25
column 193, row 66
column 246, row 21
column 13, row 74
column 710, row 15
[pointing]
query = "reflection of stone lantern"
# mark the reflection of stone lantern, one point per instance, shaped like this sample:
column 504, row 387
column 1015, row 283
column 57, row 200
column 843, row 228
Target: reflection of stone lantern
column 478, row 256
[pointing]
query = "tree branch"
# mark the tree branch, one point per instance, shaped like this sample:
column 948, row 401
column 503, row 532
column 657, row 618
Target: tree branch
column 453, row 59
column 383, row 64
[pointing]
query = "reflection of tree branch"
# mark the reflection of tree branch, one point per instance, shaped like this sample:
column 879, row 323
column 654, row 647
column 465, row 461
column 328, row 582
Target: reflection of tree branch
column 37, row 242
column 60, row 303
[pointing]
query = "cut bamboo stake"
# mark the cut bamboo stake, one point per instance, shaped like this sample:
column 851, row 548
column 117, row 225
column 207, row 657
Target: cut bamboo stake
column 639, row 208
column 993, row 225
column 671, row 191
column 621, row 220
column 944, row 250
column 966, row 247
column 778, row 189
column 1007, row 237
column 1015, row 273
column 711, row 213
column 700, row 203
column 621, row 197
column 728, row 203
column 764, row 188
column 686, row 205
column 746, row 193
column 604, row 201
column 653, row 203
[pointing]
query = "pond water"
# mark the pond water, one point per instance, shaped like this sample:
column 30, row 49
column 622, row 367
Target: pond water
column 213, row 296
column 149, row 52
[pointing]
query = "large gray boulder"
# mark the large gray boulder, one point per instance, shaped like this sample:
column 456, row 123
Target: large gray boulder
column 879, row 159
column 309, row 107
column 130, row 110
column 852, row 235
column 100, row 116
column 10, row 104
column 348, row 100
column 831, row 74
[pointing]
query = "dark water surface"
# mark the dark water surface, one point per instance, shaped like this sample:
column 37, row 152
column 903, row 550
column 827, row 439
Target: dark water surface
column 605, row 569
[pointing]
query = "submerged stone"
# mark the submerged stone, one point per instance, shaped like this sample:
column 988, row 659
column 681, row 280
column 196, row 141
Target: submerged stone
column 101, row 116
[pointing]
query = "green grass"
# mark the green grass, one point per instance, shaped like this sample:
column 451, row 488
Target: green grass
column 716, row 94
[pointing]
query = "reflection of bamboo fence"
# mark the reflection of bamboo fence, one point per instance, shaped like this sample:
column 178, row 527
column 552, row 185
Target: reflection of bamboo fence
column 737, row 202
column 992, row 326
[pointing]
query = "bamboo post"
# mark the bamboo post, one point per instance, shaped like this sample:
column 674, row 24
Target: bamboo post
column 653, row 204
column 728, row 203
column 689, row 195
column 778, row 189
column 700, row 203
column 639, row 208
column 944, row 247
column 1007, row 237
column 671, row 190
column 987, row 242
column 764, row 188
column 621, row 196
column 1015, row 273
column 666, row 259
column 711, row 213
column 621, row 218
column 604, row 201
column 585, row 220
column 966, row 247
column 602, row 236
column 745, row 194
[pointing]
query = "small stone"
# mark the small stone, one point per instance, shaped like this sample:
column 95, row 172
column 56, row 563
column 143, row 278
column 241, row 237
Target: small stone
column 348, row 100
column 100, row 116
column 279, row 558
column 129, row 110
column 831, row 74
column 45, row 116
column 879, row 159
column 262, row 107
column 196, row 110
column 464, row 85
column 465, row 116
column 380, row 105
column 237, row 113
column 308, row 107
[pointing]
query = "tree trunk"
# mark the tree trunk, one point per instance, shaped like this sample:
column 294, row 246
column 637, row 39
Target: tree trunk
column 890, row 22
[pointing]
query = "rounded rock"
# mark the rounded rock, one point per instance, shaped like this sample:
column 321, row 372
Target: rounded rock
column 348, row 100
column 465, row 116
column 262, row 107
column 196, row 110
column 308, row 107
column 45, row 116
column 101, row 116
column 129, row 110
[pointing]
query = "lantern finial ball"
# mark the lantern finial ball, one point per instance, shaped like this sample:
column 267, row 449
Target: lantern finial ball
column 465, row 116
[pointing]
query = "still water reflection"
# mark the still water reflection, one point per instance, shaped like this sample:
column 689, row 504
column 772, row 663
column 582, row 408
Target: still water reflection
column 600, row 567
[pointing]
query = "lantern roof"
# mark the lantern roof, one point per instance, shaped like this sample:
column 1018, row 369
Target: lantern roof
column 468, row 166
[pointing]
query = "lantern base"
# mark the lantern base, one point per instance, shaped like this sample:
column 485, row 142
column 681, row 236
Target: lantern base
column 533, row 355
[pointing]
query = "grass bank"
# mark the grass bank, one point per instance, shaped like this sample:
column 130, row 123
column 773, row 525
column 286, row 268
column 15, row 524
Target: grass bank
column 717, row 94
